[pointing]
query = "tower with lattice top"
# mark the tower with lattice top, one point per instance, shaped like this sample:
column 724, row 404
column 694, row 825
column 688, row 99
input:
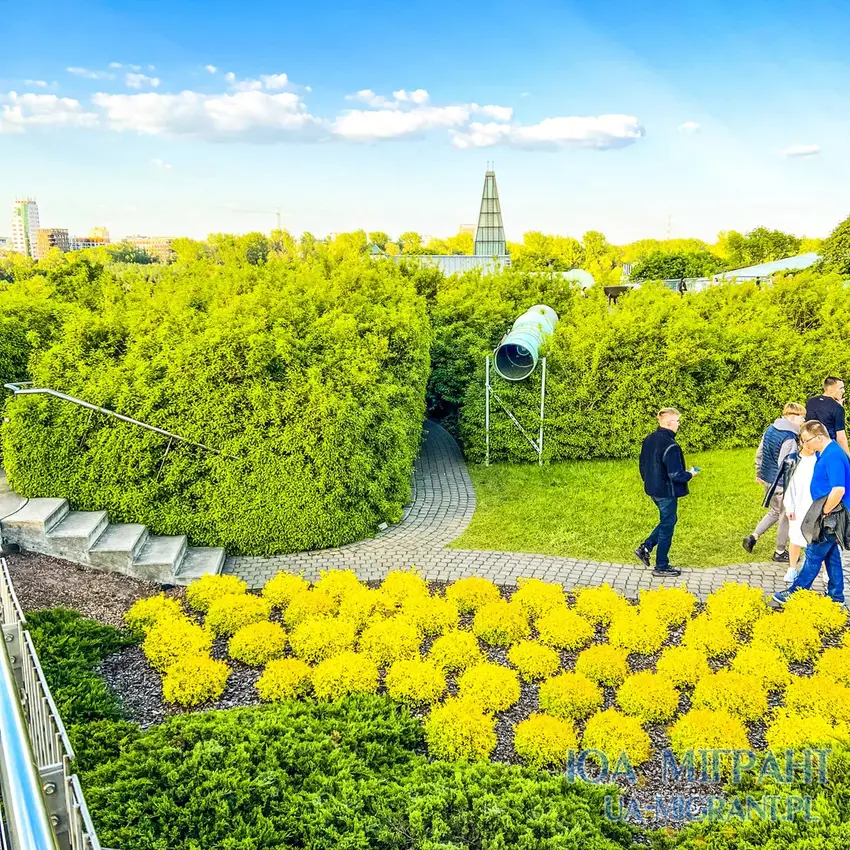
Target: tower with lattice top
column 490, row 233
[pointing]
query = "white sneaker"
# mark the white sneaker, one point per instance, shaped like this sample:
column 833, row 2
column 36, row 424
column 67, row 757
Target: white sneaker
column 791, row 575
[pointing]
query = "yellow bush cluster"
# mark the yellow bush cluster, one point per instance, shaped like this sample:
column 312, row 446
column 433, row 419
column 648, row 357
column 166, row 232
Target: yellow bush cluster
column 337, row 583
column 670, row 605
column 739, row 606
column 743, row 696
column 637, row 632
column 599, row 605
column 258, row 643
column 172, row 638
column 613, row 733
column 492, row 686
column 432, row 615
column 713, row 638
column 459, row 730
column 604, row 664
column 570, row 696
column 194, row 680
column 387, row 641
column 826, row 616
column 365, row 606
column 501, row 623
column 649, row 697
column 283, row 679
column 792, row 731
column 315, row 640
column 835, row 664
column 456, row 651
column 538, row 597
column 401, row 585
column 415, row 683
column 796, row 638
column 703, row 729
column 533, row 660
column 345, row 674
column 765, row 663
column 542, row 740
column 280, row 588
column 308, row 605
column 819, row 696
column 227, row 614
column 470, row 594
column 682, row 666
column 207, row 589
column 144, row 614
column 564, row 629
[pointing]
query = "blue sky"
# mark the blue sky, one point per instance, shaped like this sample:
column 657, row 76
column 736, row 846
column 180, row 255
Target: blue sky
column 605, row 115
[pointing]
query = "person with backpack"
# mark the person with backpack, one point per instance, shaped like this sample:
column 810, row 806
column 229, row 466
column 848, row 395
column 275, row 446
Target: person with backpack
column 665, row 481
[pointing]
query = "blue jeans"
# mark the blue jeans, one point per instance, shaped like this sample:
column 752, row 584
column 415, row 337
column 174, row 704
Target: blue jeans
column 816, row 554
column 662, row 534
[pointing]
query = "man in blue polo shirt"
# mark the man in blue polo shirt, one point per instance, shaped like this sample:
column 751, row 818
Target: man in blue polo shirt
column 831, row 481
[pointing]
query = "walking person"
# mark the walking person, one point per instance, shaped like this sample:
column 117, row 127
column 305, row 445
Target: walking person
column 797, row 501
column 665, row 481
column 826, row 523
column 828, row 409
column 778, row 443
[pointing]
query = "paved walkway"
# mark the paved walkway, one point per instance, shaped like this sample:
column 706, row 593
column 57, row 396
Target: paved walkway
column 443, row 505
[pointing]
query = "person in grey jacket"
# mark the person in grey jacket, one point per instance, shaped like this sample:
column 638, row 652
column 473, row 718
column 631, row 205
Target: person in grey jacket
column 777, row 443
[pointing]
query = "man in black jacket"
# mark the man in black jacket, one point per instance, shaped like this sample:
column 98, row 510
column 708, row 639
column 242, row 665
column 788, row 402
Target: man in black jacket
column 665, row 480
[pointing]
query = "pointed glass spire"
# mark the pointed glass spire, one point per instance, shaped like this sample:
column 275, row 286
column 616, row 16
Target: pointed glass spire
column 490, row 235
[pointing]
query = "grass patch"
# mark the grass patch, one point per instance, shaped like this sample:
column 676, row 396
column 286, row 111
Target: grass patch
column 597, row 510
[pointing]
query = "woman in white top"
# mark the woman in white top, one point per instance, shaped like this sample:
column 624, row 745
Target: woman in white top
column 797, row 501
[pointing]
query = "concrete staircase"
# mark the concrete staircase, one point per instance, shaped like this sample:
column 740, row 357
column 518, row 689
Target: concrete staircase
column 49, row 527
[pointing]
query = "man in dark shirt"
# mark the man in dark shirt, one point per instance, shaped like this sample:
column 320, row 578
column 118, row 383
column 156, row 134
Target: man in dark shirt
column 829, row 410
column 665, row 481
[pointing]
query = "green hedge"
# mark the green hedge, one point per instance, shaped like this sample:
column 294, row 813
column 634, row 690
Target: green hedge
column 728, row 358
column 313, row 376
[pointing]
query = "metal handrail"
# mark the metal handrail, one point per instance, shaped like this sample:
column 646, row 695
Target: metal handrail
column 17, row 389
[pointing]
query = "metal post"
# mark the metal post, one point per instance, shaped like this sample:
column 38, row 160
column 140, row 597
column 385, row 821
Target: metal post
column 542, row 409
column 487, row 410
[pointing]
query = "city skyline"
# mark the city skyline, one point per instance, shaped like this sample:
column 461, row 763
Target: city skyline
column 638, row 123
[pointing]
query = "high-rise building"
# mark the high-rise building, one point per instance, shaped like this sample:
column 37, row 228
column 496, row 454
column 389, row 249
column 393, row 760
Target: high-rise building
column 156, row 246
column 490, row 235
column 99, row 235
column 25, row 227
column 51, row 237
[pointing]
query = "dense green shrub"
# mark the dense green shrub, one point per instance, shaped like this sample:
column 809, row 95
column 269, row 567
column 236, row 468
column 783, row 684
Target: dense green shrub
column 312, row 376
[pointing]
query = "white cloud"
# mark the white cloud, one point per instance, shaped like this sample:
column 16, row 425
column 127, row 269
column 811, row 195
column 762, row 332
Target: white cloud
column 161, row 163
column 363, row 125
column 211, row 69
column 796, row 151
column 138, row 81
column 689, row 127
column 119, row 65
column 250, row 116
column 230, row 76
column 151, row 67
column 369, row 97
column 247, row 85
column 90, row 75
column 20, row 111
column 498, row 113
column 400, row 98
column 116, row 65
column 418, row 97
column 601, row 133
column 275, row 81
column 36, row 84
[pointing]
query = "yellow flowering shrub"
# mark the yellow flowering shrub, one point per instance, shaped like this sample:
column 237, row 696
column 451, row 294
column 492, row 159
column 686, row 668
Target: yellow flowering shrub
column 345, row 674
column 280, row 588
column 637, row 632
column 570, row 696
column 542, row 740
column 172, row 638
column 703, row 729
column 796, row 638
column 194, row 680
column 229, row 613
column 501, row 623
column 284, row 679
column 492, row 686
column 538, row 597
column 400, row 585
column 459, row 730
column 315, row 640
column 682, row 666
column 713, row 638
column 818, row 695
column 470, row 594
column 258, row 643
column 432, row 615
column 145, row 613
column 201, row 594
column 533, row 660
column 613, row 733
column 792, row 731
column 308, row 605
column 743, row 696
column 599, row 605
column 604, row 664
column 415, row 682
column 739, row 606
column 835, row 664
column 562, row 628
column 337, row 583
column 649, row 697
column 763, row 662
column 826, row 616
column 395, row 639
column 363, row 606
column 671, row 605
column 456, row 651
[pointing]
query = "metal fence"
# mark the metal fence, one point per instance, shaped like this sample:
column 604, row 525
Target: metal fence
column 43, row 804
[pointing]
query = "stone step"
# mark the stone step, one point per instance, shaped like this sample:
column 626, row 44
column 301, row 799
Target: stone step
column 118, row 546
column 76, row 533
column 160, row 558
column 199, row 560
column 28, row 526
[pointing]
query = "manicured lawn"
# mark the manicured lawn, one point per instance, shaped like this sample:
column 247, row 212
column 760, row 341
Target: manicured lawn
column 598, row 510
